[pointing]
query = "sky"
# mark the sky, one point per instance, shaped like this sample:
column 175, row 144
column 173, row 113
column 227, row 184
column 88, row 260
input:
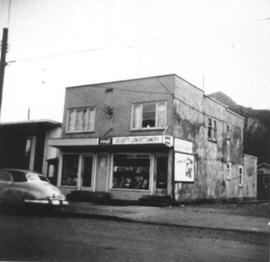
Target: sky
column 55, row 44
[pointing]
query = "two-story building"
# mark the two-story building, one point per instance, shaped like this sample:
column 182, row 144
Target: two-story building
column 155, row 136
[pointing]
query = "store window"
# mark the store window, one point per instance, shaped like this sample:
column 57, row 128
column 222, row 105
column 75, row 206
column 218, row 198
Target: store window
column 70, row 170
column 212, row 130
column 149, row 115
column 131, row 171
column 81, row 120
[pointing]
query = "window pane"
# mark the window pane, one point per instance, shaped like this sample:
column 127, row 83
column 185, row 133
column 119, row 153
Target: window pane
column 149, row 114
column 161, row 114
column 137, row 116
column 71, row 120
column 131, row 171
column 91, row 120
column 79, row 120
column 161, row 172
column 69, row 170
column 209, row 128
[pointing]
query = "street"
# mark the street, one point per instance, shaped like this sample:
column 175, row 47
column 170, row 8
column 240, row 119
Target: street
column 55, row 237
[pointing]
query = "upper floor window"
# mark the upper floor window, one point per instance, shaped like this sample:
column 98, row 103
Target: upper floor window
column 228, row 131
column 212, row 129
column 241, row 175
column 80, row 120
column 229, row 170
column 149, row 115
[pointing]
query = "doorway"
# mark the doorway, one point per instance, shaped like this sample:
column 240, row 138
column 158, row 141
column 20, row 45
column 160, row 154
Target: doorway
column 87, row 172
column 161, row 174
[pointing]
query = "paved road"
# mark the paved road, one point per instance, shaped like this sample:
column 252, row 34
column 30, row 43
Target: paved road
column 58, row 238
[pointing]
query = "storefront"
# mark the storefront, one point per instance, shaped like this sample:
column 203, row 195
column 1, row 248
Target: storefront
column 125, row 167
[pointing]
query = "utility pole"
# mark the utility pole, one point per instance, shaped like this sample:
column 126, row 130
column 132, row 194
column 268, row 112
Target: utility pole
column 3, row 64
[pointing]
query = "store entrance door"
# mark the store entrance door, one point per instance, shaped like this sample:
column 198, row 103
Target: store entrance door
column 161, row 172
column 87, row 172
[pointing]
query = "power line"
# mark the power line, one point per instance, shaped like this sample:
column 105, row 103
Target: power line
column 95, row 49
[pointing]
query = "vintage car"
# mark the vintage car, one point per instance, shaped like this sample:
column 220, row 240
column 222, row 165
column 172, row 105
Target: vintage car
column 19, row 186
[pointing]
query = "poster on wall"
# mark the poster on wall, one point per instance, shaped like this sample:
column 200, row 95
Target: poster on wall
column 183, row 167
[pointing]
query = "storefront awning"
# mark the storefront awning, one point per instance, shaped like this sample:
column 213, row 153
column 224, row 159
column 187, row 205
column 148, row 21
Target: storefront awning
column 125, row 140
column 62, row 142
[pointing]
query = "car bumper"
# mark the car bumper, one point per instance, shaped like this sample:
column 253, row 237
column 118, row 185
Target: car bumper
column 52, row 202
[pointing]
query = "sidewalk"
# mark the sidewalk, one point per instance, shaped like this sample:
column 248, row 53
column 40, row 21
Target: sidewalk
column 184, row 216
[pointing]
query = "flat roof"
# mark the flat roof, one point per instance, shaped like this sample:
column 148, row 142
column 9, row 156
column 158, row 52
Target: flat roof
column 134, row 79
column 46, row 122
column 159, row 76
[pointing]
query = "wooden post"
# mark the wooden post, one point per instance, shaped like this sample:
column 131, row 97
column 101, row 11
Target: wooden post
column 3, row 64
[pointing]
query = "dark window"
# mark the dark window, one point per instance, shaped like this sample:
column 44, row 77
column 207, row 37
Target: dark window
column 149, row 115
column 161, row 172
column 70, row 170
column 212, row 129
column 228, row 131
column 87, row 171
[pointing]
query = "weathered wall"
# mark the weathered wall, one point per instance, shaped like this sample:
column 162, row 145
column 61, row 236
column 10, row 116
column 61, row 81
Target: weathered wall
column 191, row 112
column 250, row 176
column 124, row 94
column 49, row 151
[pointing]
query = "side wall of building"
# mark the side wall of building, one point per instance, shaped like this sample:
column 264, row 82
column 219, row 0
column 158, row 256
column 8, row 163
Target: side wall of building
column 192, row 110
column 250, row 176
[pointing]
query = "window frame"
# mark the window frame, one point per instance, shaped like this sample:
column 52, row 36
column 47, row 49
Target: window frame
column 228, row 131
column 79, row 185
column 241, row 176
column 61, row 173
column 213, row 129
column 151, row 170
column 76, row 109
column 132, row 128
column 229, row 171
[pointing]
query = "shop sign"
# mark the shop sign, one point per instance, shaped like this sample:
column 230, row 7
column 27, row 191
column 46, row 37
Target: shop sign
column 105, row 141
column 138, row 140
column 183, row 146
column 168, row 140
column 183, row 167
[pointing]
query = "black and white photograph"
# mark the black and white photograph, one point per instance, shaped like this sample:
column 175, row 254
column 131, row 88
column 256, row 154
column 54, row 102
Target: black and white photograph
column 135, row 130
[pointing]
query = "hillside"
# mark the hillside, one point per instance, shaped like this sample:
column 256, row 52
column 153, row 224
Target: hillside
column 257, row 127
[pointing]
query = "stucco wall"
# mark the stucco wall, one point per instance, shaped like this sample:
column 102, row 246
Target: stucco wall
column 124, row 94
column 191, row 112
column 250, row 176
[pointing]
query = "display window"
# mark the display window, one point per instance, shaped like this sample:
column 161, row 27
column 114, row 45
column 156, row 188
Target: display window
column 70, row 170
column 131, row 171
